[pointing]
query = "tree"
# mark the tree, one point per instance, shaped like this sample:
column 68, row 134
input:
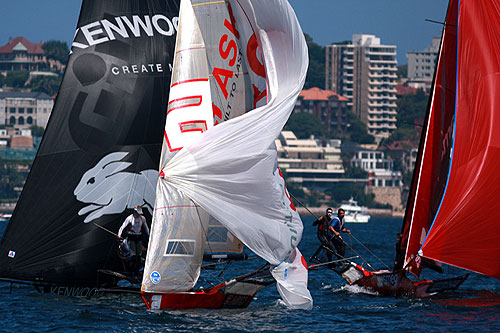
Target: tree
column 56, row 50
column 47, row 84
column 16, row 79
column 411, row 113
column 402, row 71
column 36, row 130
column 304, row 124
column 357, row 130
column 316, row 71
column 411, row 108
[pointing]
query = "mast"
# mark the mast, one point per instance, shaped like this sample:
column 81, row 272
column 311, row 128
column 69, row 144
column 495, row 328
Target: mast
column 100, row 152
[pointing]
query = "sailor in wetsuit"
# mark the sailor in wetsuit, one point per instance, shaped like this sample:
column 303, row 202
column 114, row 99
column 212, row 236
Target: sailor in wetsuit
column 325, row 231
column 134, row 224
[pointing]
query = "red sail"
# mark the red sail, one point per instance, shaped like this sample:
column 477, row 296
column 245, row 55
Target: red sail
column 431, row 171
column 466, row 232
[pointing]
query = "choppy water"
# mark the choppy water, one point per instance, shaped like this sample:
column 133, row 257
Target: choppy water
column 337, row 307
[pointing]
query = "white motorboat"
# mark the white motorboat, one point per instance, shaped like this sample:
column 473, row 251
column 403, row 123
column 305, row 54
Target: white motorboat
column 354, row 213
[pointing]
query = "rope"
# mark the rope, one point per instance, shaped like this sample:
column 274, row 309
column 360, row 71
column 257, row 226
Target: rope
column 331, row 262
column 373, row 254
column 366, row 262
column 293, row 196
column 342, row 239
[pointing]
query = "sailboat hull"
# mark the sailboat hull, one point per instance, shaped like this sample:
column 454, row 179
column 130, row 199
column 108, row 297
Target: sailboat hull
column 390, row 283
column 232, row 294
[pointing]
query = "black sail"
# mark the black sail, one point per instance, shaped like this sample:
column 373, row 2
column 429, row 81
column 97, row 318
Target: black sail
column 100, row 153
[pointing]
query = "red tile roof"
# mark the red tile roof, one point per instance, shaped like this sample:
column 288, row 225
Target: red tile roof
column 317, row 94
column 33, row 48
column 401, row 89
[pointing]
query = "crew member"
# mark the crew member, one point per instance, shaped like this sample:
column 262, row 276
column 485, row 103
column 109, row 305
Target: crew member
column 337, row 226
column 134, row 225
column 325, row 232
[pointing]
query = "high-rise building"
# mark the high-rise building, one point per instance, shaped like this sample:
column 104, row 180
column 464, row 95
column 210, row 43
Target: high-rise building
column 364, row 71
column 421, row 65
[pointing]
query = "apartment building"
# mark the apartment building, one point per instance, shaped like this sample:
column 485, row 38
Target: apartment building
column 365, row 72
column 380, row 169
column 307, row 162
column 25, row 109
column 327, row 106
column 421, row 65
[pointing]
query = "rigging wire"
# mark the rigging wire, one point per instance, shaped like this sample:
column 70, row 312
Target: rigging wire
column 350, row 247
column 373, row 254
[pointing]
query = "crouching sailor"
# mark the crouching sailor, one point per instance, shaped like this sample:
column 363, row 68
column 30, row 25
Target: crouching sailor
column 329, row 234
column 134, row 225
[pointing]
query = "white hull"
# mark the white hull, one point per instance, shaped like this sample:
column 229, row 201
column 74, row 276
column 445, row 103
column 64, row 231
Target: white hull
column 356, row 218
column 353, row 212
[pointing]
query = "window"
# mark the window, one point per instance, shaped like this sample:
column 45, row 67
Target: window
column 29, row 120
column 20, row 110
column 180, row 248
column 29, row 110
column 12, row 110
column 12, row 120
column 20, row 121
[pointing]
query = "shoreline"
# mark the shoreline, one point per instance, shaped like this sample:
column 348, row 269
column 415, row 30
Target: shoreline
column 373, row 212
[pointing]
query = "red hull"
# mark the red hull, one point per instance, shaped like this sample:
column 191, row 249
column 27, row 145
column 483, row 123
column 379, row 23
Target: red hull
column 231, row 294
column 390, row 283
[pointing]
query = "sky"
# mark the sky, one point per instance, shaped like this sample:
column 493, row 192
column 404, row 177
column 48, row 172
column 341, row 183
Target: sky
column 395, row 22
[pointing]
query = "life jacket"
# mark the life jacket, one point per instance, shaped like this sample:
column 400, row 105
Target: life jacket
column 324, row 226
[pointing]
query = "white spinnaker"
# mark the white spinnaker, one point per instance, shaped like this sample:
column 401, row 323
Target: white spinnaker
column 291, row 277
column 231, row 170
column 177, row 238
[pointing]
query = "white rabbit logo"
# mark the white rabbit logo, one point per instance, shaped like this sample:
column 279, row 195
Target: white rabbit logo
column 108, row 190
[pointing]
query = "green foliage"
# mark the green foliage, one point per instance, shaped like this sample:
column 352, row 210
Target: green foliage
column 304, row 124
column 411, row 113
column 411, row 108
column 316, row 71
column 345, row 42
column 16, row 79
column 36, row 130
column 47, row 84
column 355, row 172
column 402, row 71
column 357, row 130
column 402, row 134
column 56, row 50
column 11, row 178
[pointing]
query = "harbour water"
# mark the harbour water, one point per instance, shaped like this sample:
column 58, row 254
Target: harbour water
column 337, row 306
